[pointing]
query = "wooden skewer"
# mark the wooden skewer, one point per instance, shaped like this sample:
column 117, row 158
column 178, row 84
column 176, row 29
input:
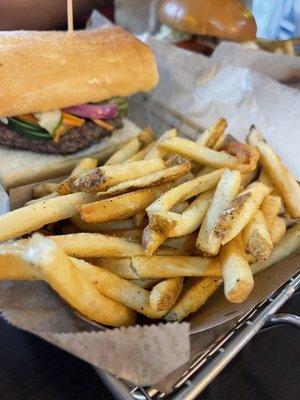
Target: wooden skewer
column 70, row 16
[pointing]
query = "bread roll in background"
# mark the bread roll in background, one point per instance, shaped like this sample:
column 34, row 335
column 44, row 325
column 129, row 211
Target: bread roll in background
column 41, row 71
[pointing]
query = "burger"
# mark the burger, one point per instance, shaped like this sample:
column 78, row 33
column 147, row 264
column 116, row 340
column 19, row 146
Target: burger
column 64, row 92
column 199, row 25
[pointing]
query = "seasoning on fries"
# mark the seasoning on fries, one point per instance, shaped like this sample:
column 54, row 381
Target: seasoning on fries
column 154, row 233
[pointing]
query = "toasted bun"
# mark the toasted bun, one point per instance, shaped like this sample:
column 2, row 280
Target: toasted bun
column 226, row 19
column 14, row 165
column 41, row 71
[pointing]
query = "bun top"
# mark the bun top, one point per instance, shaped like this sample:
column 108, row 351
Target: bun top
column 226, row 19
column 42, row 71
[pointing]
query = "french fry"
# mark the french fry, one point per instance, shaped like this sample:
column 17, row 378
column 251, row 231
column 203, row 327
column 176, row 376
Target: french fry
column 142, row 153
column 279, row 174
column 102, row 178
column 206, row 156
column 62, row 275
column 250, row 258
column 34, row 216
column 204, row 171
column 210, row 137
column 247, row 178
column 38, row 200
column 102, row 226
column 146, row 283
column 288, row 245
column 237, row 275
column 270, row 207
column 142, row 267
column 220, row 142
column 278, row 229
column 133, row 234
column 121, row 207
column 139, row 218
column 131, row 148
column 152, row 239
column 156, row 151
column 184, row 192
column 241, row 210
column 157, row 178
column 12, row 265
column 256, row 237
column 226, row 191
column 174, row 225
column 194, row 294
column 83, row 245
column 118, row 289
column 84, row 165
column 164, row 295
column 44, row 189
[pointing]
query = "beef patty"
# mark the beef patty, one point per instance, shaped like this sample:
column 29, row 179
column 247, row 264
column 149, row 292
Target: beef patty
column 78, row 138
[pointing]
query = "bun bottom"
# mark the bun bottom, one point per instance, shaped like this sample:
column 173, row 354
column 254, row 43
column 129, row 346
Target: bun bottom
column 19, row 167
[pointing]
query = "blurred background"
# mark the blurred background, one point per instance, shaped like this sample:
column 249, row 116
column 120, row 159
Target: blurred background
column 276, row 19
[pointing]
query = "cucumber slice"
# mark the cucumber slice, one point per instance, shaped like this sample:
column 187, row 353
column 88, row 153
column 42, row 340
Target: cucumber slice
column 25, row 128
column 50, row 120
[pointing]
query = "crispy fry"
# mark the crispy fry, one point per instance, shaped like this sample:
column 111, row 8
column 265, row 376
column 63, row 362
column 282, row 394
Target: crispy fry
column 278, row 229
column 152, row 239
column 206, row 156
column 44, row 189
column 246, row 154
column 174, row 225
column 210, row 137
column 133, row 234
column 84, row 165
column 194, row 294
column 184, row 192
column 237, row 275
column 156, row 151
column 102, row 178
column 247, row 178
column 34, row 216
column 62, row 275
column 241, row 210
column 131, row 148
column 164, row 295
column 146, row 283
column 225, row 193
column 121, row 207
column 83, row 245
column 120, row 290
column 270, row 207
column 139, row 218
column 102, row 226
column 157, row 178
column 49, row 196
column 288, row 245
column 279, row 174
column 142, row 153
column 220, row 142
column 256, row 237
column 160, row 266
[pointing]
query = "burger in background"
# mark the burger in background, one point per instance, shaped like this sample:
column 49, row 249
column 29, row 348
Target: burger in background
column 199, row 25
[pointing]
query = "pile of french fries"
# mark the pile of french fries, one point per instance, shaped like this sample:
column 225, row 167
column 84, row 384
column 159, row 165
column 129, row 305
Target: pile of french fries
column 157, row 228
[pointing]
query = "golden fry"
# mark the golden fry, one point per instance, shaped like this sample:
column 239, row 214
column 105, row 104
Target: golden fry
column 237, row 275
column 44, row 189
column 241, row 210
column 164, row 295
column 34, row 216
column 270, row 207
column 211, row 136
column 279, row 174
column 195, row 292
column 288, row 245
column 278, row 229
column 225, row 193
column 62, row 275
column 102, row 226
column 102, row 178
column 256, row 237
column 156, row 151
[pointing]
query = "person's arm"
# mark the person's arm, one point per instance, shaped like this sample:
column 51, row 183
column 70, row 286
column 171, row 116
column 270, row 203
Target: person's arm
column 41, row 15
